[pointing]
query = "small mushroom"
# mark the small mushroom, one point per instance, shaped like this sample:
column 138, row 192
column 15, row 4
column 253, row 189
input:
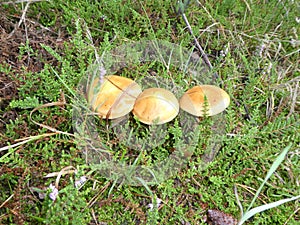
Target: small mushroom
column 156, row 106
column 113, row 98
column 204, row 100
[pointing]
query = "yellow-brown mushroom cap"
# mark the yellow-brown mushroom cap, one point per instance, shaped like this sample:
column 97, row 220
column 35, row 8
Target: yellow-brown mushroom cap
column 113, row 98
column 193, row 100
column 156, row 106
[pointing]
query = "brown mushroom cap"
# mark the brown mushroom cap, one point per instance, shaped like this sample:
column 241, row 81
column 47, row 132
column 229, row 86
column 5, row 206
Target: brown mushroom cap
column 113, row 98
column 193, row 101
column 156, row 106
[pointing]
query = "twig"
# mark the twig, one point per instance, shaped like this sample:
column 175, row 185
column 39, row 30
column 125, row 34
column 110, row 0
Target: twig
column 205, row 58
column 43, row 27
column 21, row 1
column 21, row 20
column 203, row 54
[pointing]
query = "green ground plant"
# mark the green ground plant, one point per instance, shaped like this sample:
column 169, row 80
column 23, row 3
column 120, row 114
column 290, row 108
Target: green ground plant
column 253, row 47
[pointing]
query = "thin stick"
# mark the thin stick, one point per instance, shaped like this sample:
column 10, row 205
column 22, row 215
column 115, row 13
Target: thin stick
column 21, row 1
column 205, row 58
column 21, row 20
column 203, row 54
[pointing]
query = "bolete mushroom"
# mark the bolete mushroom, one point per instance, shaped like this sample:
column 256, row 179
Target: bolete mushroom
column 156, row 106
column 204, row 100
column 113, row 98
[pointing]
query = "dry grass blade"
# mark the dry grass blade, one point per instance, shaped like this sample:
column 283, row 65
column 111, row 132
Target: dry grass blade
column 238, row 201
column 10, row 197
column 294, row 213
column 46, row 126
column 95, row 198
column 252, row 192
column 66, row 170
column 32, row 138
column 27, row 139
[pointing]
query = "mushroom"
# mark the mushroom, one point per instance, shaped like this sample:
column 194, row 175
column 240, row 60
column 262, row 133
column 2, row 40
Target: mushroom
column 114, row 97
column 204, row 100
column 156, row 106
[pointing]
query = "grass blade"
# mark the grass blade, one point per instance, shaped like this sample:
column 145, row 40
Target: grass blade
column 249, row 213
column 273, row 168
column 262, row 208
